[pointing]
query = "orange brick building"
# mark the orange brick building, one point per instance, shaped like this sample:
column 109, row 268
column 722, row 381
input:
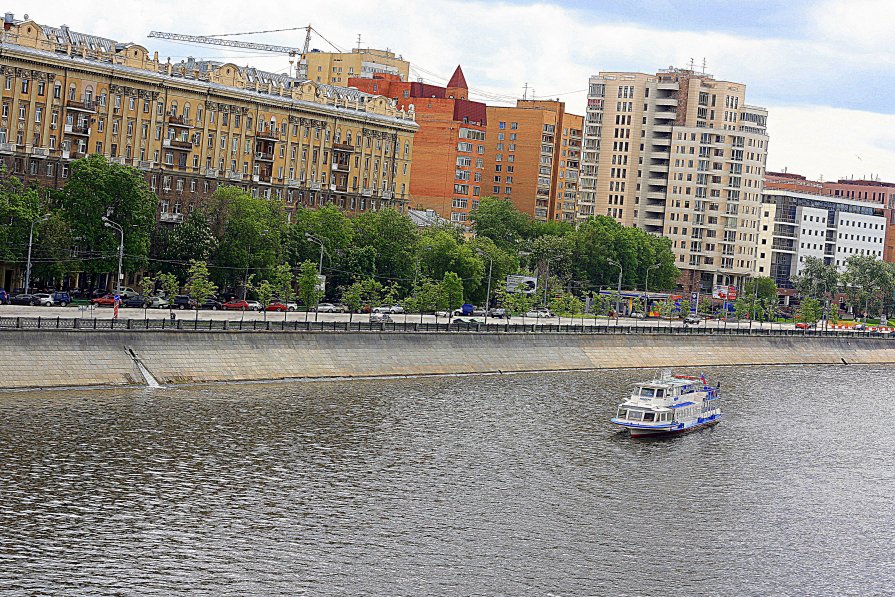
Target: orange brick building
column 532, row 158
column 449, row 147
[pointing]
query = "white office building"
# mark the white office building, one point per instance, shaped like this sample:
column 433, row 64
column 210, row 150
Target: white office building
column 795, row 226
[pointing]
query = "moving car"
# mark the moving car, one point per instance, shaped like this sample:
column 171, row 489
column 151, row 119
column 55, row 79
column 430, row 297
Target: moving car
column 330, row 308
column 692, row 320
column 804, row 325
column 377, row 317
column 137, row 301
column 540, row 312
column 498, row 313
column 104, row 301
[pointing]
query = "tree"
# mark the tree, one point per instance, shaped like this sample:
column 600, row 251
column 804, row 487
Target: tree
column 249, row 233
column 170, row 285
column 97, row 188
column 365, row 291
column 759, row 295
column 19, row 207
column 198, row 285
column 393, row 238
column 445, row 253
column 867, row 282
column 192, row 239
column 265, row 292
column 308, row 285
column 499, row 220
column 816, row 278
column 451, row 292
column 810, row 310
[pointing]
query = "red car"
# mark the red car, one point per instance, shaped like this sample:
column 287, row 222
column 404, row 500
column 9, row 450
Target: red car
column 104, row 301
column 282, row 307
column 805, row 326
column 238, row 305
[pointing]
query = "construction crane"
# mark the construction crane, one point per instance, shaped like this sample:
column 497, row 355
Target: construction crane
column 215, row 40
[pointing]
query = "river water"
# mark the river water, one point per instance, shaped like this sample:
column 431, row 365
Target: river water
column 456, row 485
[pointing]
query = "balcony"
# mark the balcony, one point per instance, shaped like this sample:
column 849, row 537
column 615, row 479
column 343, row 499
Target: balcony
column 40, row 152
column 232, row 175
column 84, row 105
column 7, row 147
column 179, row 121
column 366, row 193
column 121, row 160
column 264, row 156
column 171, row 217
column 294, row 183
column 343, row 147
column 177, row 144
column 145, row 165
column 337, row 167
column 666, row 101
column 261, row 178
column 211, row 173
column 388, row 195
column 77, row 129
column 268, row 135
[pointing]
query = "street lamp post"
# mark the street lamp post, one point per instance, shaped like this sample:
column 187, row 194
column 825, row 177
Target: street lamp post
column 488, row 295
column 110, row 224
column 317, row 241
column 28, row 264
column 646, row 285
column 618, row 294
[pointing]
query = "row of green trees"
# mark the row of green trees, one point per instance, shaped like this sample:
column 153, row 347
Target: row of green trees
column 248, row 243
column 866, row 284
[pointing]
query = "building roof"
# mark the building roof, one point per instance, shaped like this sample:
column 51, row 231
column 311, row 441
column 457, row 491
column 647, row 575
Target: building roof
column 457, row 79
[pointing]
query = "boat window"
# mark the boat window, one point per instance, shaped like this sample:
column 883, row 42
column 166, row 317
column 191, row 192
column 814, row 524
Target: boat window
column 635, row 415
column 649, row 416
column 660, row 393
column 648, row 392
column 621, row 413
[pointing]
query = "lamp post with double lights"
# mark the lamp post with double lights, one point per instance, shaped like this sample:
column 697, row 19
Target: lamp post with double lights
column 116, row 226
column 488, row 295
column 317, row 241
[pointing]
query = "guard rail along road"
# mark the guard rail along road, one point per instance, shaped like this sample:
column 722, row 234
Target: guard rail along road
column 60, row 352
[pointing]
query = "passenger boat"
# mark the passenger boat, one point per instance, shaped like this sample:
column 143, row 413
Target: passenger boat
column 670, row 404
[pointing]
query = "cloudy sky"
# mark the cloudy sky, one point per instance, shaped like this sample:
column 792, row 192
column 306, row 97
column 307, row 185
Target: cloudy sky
column 824, row 68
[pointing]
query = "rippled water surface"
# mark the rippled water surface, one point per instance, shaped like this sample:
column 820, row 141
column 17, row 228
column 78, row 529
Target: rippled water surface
column 463, row 485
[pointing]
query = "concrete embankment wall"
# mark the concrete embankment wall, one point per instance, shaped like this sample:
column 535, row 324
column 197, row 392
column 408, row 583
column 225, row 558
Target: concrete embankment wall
column 44, row 358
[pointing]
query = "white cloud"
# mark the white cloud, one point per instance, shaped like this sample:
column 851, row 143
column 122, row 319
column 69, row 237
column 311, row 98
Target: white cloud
column 504, row 45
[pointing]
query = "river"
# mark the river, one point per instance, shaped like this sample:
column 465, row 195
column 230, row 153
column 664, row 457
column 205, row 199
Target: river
column 513, row 484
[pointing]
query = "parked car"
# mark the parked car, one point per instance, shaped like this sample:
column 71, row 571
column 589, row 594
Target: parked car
column 637, row 315
column 211, row 303
column 104, row 301
column 22, row 299
column 498, row 313
column 136, row 301
column 241, row 305
column 182, row 301
column 805, row 325
column 62, row 298
column 393, row 310
column 127, row 292
column 330, row 308
column 540, row 312
column 278, row 306
column 42, row 299
column 377, row 317
column 158, row 302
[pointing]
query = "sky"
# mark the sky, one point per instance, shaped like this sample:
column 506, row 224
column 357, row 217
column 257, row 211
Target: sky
column 824, row 68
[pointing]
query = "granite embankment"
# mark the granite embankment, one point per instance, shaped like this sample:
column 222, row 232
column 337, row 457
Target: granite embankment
column 53, row 358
